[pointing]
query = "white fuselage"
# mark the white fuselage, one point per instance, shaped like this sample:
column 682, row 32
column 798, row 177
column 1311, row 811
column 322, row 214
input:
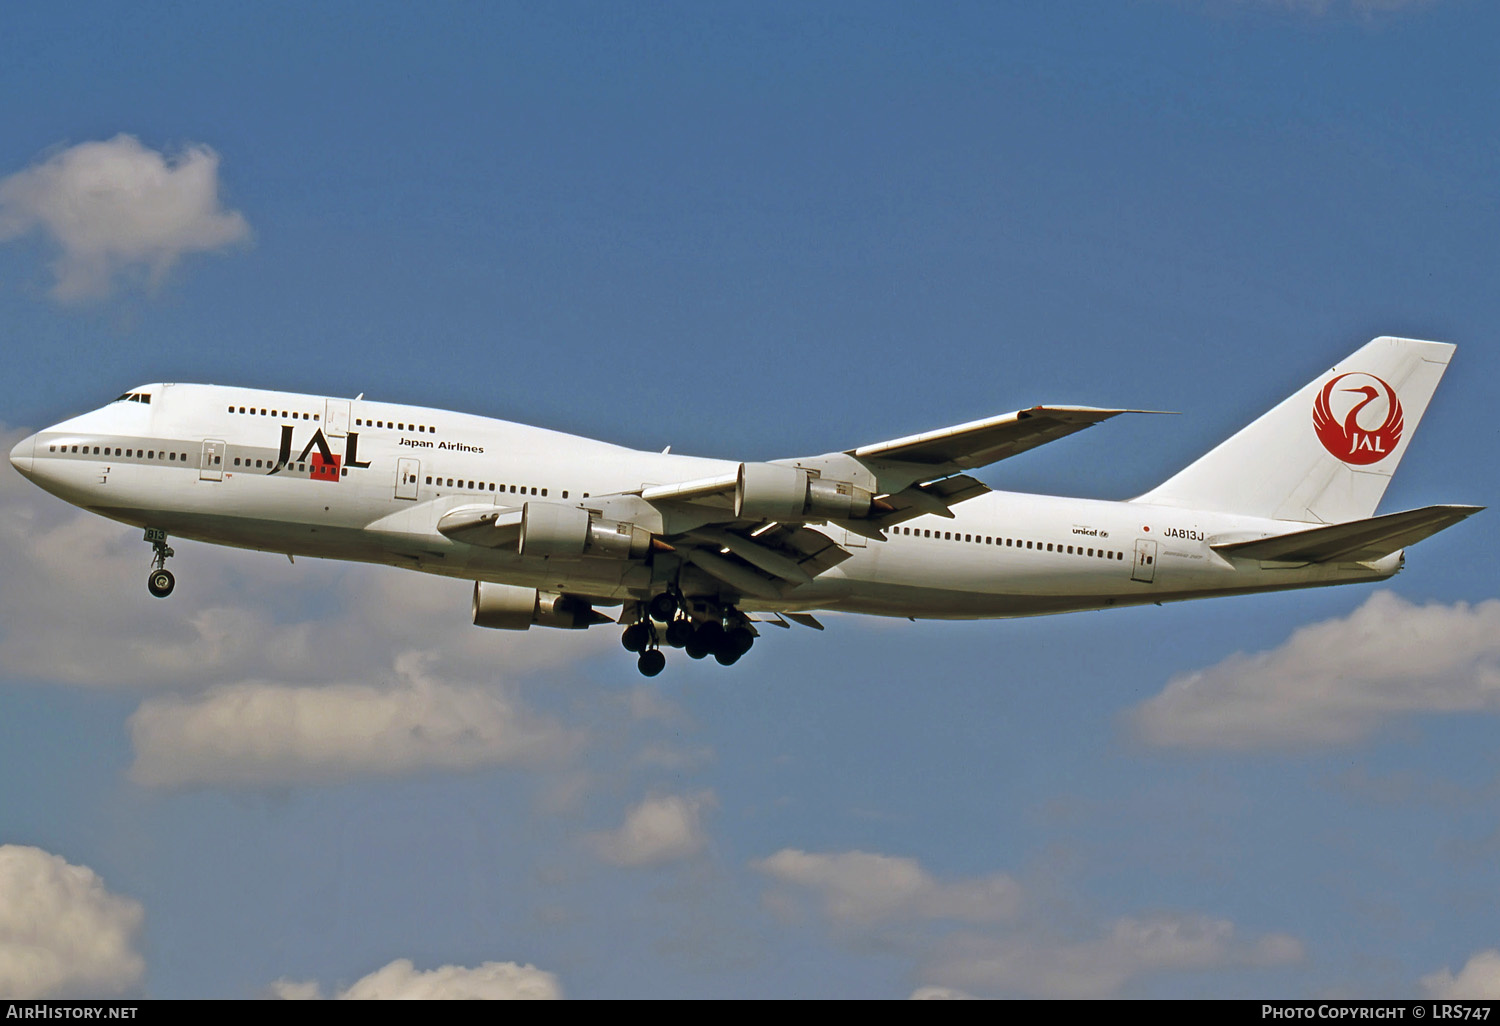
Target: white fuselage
column 368, row 481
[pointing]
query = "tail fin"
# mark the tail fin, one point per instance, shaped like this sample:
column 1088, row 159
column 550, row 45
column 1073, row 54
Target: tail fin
column 1326, row 454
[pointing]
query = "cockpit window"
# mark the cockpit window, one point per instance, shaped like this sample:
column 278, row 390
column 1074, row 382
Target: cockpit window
column 135, row 397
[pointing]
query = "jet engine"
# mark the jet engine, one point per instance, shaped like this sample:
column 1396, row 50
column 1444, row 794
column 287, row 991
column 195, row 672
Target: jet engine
column 515, row 609
column 770, row 491
column 552, row 529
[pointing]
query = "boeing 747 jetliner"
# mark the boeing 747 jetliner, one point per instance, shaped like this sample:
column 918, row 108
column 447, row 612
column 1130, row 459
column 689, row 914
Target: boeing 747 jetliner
column 701, row 554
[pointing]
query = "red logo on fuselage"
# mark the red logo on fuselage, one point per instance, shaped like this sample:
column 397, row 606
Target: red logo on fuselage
column 1363, row 436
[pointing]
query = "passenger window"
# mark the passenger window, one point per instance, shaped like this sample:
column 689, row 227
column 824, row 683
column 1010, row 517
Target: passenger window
column 492, row 486
column 565, row 493
column 151, row 455
column 429, row 479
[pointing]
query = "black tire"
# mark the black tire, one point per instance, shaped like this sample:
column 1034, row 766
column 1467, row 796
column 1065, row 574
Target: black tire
column 160, row 583
column 663, row 607
column 651, row 662
column 741, row 638
column 678, row 633
column 727, row 657
column 636, row 637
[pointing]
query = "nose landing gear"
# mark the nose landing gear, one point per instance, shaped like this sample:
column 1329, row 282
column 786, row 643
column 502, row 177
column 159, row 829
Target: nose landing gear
column 160, row 581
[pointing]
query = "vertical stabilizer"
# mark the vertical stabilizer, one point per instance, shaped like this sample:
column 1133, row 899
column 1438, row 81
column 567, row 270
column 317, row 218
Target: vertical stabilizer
column 1325, row 455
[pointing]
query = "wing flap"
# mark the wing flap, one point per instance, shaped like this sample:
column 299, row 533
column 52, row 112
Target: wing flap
column 1355, row 541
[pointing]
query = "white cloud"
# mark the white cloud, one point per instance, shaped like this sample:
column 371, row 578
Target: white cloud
column 62, row 934
column 117, row 206
column 861, row 888
column 491, row 981
column 1336, row 681
column 939, row 994
column 296, row 990
column 1100, row 967
column 269, row 734
column 658, row 830
column 1478, row 980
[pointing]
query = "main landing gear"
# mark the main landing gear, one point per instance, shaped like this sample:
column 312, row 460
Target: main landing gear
column 722, row 632
column 160, row 581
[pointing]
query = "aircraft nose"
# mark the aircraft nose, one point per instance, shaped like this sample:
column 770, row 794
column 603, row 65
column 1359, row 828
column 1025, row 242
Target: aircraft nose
column 20, row 456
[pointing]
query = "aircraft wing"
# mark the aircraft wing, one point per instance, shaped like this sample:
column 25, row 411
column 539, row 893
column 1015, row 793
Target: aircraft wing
column 980, row 442
column 764, row 554
column 1356, row 541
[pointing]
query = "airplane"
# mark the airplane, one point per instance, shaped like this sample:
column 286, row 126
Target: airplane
column 700, row 554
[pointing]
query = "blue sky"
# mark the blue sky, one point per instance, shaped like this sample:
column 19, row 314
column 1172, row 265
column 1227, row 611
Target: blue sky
column 754, row 231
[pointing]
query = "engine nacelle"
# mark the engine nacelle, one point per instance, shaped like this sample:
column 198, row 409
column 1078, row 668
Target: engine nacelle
column 552, row 529
column 770, row 491
column 515, row 609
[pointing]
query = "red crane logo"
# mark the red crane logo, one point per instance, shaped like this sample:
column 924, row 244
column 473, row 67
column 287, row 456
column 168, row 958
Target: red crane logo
column 1356, row 441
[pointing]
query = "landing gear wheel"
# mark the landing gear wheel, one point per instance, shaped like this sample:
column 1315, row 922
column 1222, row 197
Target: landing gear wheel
column 732, row 644
column 704, row 639
column 678, row 633
column 160, row 583
column 663, row 607
column 636, row 637
column 651, row 662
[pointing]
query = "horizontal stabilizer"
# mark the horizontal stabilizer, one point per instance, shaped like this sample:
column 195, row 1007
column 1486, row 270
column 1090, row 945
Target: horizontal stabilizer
column 1355, row 542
